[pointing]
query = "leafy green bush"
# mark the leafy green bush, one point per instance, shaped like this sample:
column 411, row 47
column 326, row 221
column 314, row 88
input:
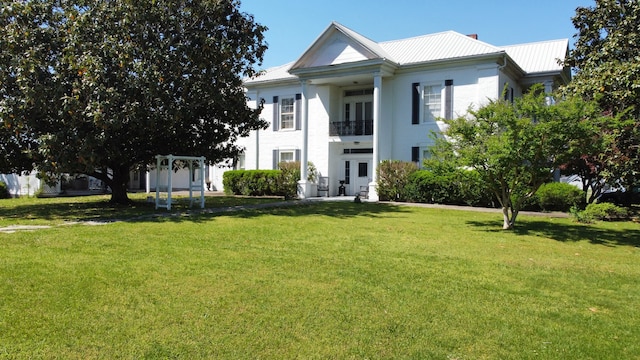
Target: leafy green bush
column 449, row 186
column 393, row 176
column 601, row 211
column 282, row 182
column 251, row 182
column 558, row 196
column 4, row 191
column 288, row 180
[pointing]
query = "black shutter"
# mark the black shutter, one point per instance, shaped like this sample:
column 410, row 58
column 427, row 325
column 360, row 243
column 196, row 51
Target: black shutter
column 298, row 116
column 448, row 99
column 297, row 155
column 276, row 155
column 415, row 103
column 276, row 118
column 415, row 154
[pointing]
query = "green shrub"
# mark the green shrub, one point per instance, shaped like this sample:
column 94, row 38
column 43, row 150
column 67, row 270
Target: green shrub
column 448, row 186
column 288, row 180
column 251, row 182
column 4, row 191
column 558, row 196
column 393, row 176
column 602, row 211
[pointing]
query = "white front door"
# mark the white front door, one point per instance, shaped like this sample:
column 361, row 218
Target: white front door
column 362, row 176
column 357, row 175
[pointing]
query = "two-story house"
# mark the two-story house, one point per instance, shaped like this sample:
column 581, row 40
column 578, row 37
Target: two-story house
column 349, row 102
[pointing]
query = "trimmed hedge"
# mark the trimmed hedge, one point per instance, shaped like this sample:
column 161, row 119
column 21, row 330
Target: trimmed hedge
column 402, row 181
column 456, row 187
column 251, row 182
column 558, row 196
column 283, row 182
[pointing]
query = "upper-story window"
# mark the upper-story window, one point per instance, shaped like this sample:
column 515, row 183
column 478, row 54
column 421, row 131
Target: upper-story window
column 287, row 113
column 432, row 100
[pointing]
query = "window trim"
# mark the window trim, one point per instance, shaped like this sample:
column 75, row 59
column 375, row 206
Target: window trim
column 292, row 112
column 423, row 93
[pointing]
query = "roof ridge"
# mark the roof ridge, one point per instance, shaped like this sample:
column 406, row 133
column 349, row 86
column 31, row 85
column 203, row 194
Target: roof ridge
column 536, row 42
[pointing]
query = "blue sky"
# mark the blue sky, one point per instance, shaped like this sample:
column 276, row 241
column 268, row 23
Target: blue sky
column 295, row 24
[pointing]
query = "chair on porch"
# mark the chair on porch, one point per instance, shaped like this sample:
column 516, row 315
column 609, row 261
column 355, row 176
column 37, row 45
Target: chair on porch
column 364, row 192
column 323, row 185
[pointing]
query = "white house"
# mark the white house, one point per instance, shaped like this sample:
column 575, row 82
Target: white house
column 349, row 102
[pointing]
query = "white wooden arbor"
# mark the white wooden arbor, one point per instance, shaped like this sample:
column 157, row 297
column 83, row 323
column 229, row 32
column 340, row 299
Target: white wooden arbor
column 168, row 186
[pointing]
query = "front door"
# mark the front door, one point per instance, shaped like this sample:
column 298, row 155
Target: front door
column 363, row 176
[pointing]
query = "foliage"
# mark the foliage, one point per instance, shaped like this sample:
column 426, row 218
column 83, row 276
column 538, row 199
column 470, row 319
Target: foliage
column 252, row 182
column 454, row 187
column 559, row 196
column 4, row 190
column 605, row 59
column 601, row 211
column 387, row 282
column 281, row 182
column 516, row 146
column 101, row 87
column 393, row 176
column 288, row 180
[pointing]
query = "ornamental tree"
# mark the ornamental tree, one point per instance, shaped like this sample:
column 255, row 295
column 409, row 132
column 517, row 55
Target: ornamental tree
column 607, row 69
column 100, row 87
column 515, row 147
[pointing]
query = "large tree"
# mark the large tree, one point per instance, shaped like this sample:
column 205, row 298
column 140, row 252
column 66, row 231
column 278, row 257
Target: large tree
column 607, row 69
column 516, row 147
column 100, row 87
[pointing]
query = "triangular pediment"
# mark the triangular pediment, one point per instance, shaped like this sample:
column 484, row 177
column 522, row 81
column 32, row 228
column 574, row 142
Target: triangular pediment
column 339, row 45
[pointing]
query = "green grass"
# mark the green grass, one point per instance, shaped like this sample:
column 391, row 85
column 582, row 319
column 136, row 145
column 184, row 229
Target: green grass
column 329, row 280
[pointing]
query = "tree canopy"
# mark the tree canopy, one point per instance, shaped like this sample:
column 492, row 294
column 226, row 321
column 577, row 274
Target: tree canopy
column 516, row 147
column 100, row 87
column 606, row 62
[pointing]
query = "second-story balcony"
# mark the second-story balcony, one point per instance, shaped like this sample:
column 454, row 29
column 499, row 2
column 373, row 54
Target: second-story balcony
column 351, row 128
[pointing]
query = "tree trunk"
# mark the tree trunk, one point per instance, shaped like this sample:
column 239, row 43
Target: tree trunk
column 509, row 220
column 506, row 224
column 119, row 186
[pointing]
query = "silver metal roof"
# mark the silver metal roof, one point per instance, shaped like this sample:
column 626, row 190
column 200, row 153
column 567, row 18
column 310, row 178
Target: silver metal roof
column 538, row 57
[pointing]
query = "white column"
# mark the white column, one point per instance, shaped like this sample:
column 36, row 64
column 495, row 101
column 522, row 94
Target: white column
column 377, row 99
column 304, row 187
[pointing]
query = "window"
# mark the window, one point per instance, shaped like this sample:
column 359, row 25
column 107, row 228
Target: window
column 287, row 156
column 432, row 98
column 287, row 113
column 363, row 169
column 420, row 154
column 347, row 172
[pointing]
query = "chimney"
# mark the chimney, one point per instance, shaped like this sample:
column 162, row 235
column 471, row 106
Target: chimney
column 473, row 36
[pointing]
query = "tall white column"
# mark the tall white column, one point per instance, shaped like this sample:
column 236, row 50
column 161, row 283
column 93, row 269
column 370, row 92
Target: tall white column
column 377, row 100
column 304, row 188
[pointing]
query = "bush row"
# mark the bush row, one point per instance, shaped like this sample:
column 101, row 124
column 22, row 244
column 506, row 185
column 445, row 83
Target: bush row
column 282, row 182
column 402, row 181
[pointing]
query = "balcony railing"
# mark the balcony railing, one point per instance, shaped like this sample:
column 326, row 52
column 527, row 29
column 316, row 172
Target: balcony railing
column 351, row 128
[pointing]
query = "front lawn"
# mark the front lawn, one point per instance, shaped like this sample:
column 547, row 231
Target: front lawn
column 328, row 280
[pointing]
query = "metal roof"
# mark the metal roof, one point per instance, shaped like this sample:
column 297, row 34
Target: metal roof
column 533, row 58
column 433, row 47
column 538, row 57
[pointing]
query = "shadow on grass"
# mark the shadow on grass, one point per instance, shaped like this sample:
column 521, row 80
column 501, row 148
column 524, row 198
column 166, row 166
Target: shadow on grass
column 99, row 209
column 566, row 232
